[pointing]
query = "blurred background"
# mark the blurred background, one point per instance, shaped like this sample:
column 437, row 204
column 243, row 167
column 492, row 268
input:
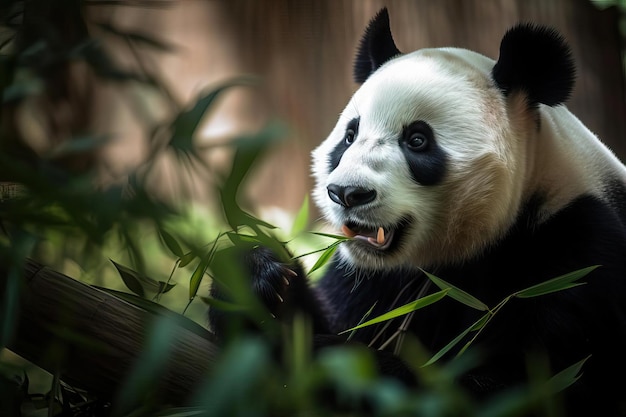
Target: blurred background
column 301, row 53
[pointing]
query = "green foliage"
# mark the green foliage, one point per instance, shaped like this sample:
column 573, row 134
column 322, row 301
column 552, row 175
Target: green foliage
column 301, row 220
column 458, row 294
column 327, row 252
column 560, row 283
column 139, row 283
column 404, row 310
column 138, row 388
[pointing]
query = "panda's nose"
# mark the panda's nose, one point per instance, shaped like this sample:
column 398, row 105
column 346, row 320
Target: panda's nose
column 350, row 196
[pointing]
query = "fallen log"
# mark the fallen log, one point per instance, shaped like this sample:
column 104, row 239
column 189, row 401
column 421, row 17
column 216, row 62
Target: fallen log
column 94, row 339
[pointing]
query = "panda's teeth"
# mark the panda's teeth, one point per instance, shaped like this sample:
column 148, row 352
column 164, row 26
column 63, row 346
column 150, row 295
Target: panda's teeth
column 377, row 237
column 380, row 236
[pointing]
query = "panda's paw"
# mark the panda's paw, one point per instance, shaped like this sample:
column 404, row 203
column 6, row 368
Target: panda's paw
column 271, row 279
column 274, row 282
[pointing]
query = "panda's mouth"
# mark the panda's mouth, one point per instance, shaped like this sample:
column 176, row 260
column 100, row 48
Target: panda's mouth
column 379, row 237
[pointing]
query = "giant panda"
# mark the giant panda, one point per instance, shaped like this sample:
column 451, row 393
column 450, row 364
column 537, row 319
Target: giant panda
column 474, row 170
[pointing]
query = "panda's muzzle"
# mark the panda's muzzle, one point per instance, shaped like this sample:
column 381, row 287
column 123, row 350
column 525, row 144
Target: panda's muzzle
column 377, row 237
column 350, row 196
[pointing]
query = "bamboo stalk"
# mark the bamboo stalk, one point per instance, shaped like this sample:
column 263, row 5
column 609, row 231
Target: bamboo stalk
column 94, row 338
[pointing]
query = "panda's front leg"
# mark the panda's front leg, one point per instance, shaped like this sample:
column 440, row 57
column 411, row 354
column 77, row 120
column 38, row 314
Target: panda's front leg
column 281, row 286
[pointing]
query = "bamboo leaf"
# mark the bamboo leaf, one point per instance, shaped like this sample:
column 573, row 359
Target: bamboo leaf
column 139, row 283
column 171, row 244
column 248, row 150
column 165, row 287
column 242, row 371
column 480, row 323
column 302, row 218
column 196, row 277
column 365, row 316
column 147, row 367
column 310, row 253
column 198, row 273
column 188, row 121
column 135, row 300
column 559, row 283
column 186, row 259
column 566, row 377
column 327, row 252
column 256, row 221
column 324, row 257
column 337, row 237
column 222, row 305
column 458, row 294
column 239, row 239
column 403, row 310
column 130, row 278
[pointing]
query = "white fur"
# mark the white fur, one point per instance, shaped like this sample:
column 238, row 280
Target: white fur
column 497, row 158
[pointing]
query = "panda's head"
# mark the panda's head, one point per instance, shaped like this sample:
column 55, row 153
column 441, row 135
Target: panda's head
column 427, row 162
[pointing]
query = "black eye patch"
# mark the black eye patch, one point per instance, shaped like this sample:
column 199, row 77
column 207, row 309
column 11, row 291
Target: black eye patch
column 352, row 130
column 426, row 160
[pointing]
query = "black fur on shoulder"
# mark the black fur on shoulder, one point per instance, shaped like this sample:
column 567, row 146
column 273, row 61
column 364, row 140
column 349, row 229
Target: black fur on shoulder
column 538, row 61
column 376, row 47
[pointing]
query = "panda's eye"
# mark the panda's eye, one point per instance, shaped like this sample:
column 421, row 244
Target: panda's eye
column 349, row 138
column 417, row 141
column 417, row 136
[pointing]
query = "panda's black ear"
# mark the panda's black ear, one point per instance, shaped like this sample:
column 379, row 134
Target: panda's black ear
column 376, row 47
column 536, row 60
